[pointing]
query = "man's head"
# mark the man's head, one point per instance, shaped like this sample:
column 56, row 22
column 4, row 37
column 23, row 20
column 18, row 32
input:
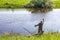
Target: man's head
column 41, row 22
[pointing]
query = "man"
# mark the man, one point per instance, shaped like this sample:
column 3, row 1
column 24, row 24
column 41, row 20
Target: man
column 40, row 31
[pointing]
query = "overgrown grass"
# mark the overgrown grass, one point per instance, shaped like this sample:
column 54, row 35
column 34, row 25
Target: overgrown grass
column 47, row 36
column 13, row 3
column 22, row 3
column 56, row 4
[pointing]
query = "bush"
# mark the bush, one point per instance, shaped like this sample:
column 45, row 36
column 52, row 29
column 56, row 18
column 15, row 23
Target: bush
column 40, row 4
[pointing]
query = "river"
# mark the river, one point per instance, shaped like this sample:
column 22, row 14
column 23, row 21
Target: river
column 18, row 19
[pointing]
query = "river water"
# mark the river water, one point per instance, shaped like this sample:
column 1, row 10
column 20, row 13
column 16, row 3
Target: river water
column 21, row 20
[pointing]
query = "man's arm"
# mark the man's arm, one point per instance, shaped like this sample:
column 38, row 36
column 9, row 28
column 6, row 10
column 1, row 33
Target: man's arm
column 36, row 25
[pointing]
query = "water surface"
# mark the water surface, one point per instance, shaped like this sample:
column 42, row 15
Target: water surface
column 18, row 19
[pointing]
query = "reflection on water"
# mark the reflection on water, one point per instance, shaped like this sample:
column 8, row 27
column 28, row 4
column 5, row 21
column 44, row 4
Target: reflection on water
column 17, row 19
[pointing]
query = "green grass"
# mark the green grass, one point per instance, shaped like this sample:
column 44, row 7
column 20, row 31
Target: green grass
column 22, row 3
column 56, row 4
column 47, row 36
column 13, row 3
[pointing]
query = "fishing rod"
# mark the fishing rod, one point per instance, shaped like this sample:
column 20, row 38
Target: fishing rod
column 27, row 30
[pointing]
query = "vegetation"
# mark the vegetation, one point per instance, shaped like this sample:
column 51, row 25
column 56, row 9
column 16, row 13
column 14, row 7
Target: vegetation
column 47, row 36
column 40, row 5
column 29, row 3
column 56, row 4
column 34, row 5
column 13, row 3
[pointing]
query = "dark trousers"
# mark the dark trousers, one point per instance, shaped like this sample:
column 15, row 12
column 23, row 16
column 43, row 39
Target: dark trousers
column 40, row 30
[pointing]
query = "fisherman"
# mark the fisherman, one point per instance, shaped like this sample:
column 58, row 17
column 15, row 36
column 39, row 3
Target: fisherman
column 40, row 31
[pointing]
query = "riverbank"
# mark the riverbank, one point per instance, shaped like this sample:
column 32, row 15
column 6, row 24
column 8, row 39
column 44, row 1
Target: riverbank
column 21, row 4
column 13, row 3
column 47, row 36
column 33, row 10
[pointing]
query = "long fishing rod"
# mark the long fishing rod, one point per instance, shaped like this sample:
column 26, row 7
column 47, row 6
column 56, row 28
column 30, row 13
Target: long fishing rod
column 27, row 30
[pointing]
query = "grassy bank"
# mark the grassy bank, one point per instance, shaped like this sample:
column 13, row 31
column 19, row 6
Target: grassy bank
column 47, row 36
column 13, row 3
column 21, row 3
column 56, row 4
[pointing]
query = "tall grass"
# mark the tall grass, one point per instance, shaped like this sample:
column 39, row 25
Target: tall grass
column 47, row 36
column 22, row 3
column 13, row 3
column 56, row 4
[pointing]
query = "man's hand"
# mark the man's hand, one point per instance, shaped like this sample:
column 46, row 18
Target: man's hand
column 36, row 25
